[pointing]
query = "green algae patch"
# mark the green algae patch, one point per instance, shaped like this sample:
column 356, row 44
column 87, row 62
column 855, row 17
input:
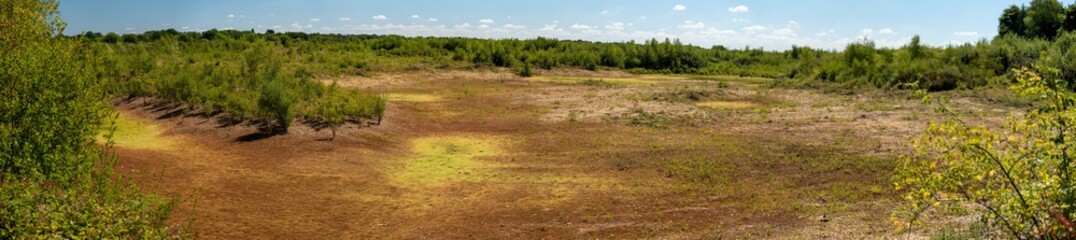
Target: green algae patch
column 412, row 97
column 727, row 105
column 133, row 133
column 440, row 160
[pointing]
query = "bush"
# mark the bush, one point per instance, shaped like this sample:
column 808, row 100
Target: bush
column 526, row 71
column 275, row 102
column 1020, row 178
column 55, row 181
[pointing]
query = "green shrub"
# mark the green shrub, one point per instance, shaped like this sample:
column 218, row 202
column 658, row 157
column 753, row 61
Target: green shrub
column 55, row 181
column 275, row 102
column 1020, row 178
column 526, row 70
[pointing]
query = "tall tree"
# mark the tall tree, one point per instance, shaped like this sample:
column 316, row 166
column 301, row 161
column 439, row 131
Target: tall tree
column 1012, row 21
column 915, row 49
column 1070, row 18
column 1044, row 18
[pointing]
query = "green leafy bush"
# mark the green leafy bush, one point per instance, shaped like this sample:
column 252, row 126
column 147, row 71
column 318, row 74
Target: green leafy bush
column 1019, row 178
column 55, row 181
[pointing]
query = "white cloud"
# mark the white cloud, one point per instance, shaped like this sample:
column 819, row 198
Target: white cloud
column 755, row 28
column 793, row 24
column 415, row 16
column 738, row 9
column 273, row 27
column 297, row 26
column 617, row 26
column 231, row 15
column 865, row 32
column 958, row 42
column 679, row 7
column 510, row 26
column 166, row 24
column 464, row 26
column 345, row 19
column 966, row 34
column 581, row 27
column 315, row 19
column 483, row 26
column 824, row 33
column 784, row 32
column 692, row 25
column 740, row 20
column 548, row 28
column 486, row 21
column 886, row 31
column 715, row 31
column 604, row 12
column 380, row 17
column 432, row 20
column 642, row 17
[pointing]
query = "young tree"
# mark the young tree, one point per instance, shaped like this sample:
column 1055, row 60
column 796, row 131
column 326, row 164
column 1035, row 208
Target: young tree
column 1020, row 178
column 329, row 109
column 277, row 104
column 1043, row 18
column 1012, row 21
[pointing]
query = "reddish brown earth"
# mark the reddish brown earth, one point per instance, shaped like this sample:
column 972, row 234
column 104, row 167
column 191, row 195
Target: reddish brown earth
column 571, row 165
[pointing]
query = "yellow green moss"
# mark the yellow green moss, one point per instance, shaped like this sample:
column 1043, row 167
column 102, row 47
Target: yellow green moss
column 133, row 133
column 729, row 105
column 614, row 80
column 412, row 97
column 441, row 160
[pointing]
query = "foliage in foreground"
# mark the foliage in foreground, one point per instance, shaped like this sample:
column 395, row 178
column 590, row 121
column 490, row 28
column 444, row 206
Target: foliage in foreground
column 55, row 181
column 1019, row 179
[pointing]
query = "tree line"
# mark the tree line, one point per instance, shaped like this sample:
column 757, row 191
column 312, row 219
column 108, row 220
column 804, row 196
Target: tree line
column 1044, row 19
column 955, row 66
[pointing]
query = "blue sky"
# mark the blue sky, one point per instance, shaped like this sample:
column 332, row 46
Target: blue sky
column 772, row 24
